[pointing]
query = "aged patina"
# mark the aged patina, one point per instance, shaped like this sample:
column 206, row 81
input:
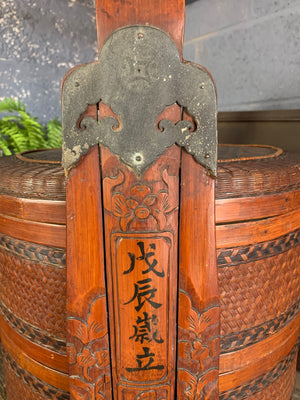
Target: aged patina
column 142, row 65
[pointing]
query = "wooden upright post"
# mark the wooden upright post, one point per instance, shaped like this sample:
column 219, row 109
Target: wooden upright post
column 143, row 316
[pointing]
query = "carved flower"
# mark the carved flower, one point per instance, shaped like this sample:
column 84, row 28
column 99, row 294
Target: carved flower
column 137, row 206
column 140, row 205
column 86, row 360
column 141, row 202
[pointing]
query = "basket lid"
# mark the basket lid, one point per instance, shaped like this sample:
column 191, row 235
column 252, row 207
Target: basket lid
column 243, row 170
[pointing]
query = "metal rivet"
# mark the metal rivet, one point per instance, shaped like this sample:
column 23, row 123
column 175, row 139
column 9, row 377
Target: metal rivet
column 140, row 35
column 77, row 84
column 206, row 156
column 202, row 85
column 138, row 158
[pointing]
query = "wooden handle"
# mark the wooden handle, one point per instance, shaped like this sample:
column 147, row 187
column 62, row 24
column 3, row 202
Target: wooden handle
column 161, row 337
column 167, row 15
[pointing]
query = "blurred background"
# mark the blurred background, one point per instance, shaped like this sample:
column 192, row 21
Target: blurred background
column 251, row 48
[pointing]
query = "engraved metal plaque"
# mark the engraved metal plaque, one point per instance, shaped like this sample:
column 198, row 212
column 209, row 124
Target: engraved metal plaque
column 139, row 74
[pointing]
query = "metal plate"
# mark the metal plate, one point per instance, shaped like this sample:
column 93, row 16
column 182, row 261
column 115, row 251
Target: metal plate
column 139, row 74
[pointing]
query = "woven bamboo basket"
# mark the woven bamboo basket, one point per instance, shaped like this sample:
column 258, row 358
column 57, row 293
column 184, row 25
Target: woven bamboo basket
column 258, row 230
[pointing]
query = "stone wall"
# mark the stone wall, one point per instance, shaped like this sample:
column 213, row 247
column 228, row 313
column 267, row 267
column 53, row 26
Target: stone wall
column 250, row 46
column 40, row 41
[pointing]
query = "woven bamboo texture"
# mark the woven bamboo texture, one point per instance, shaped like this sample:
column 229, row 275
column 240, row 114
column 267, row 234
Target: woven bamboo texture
column 262, row 290
column 25, row 289
column 259, row 283
column 235, row 179
column 276, row 384
column 26, row 385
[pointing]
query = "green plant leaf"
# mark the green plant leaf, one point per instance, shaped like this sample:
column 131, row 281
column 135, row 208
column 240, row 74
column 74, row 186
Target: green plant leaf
column 21, row 131
column 11, row 105
column 54, row 133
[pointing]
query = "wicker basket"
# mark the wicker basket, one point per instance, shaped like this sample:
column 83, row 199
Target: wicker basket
column 258, row 231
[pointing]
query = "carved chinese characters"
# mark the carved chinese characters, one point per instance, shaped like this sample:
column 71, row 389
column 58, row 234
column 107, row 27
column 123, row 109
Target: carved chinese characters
column 142, row 275
column 141, row 269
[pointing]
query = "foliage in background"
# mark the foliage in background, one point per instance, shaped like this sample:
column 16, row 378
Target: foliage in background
column 20, row 131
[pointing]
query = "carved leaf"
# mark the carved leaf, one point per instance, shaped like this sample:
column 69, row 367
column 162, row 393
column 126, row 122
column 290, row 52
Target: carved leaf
column 124, row 222
column 207, row 385
column 160, row 218
column 103, row 388
column 80, row 390
column 208, row 318
column 108, row 185
column 187, row 385
column 189, row 319
column 194, row 322
column 119, row 207
column 96, row 321
column 78, row 329
column 163, row 202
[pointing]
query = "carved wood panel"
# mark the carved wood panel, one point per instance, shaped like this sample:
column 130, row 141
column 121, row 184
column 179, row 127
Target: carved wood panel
column 141, row 231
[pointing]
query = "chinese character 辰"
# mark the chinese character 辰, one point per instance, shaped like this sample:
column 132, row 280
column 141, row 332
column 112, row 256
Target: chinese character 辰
column 145, row 329
column 143, row 292
column 146, row 257
column 145, row 362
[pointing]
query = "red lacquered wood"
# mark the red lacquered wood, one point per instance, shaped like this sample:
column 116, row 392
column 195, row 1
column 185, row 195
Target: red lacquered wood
column 243, row 209
column 87, row 330
column 40, row 354
column 140, row 226
column 50, row 377
column 240, row 234
column 32, row 231
column 141, row 216
column 198, row 308
column 33, row 209
column 242, row 366
column 167, row 15
column 107, row 23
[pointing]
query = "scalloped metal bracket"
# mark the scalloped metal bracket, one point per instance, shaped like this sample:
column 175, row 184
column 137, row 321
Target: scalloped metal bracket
column 139, row 74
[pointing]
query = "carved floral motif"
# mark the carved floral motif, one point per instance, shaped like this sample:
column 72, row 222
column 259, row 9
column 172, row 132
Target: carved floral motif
column 198, row 349
column 84, row 358
column 142, row 202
